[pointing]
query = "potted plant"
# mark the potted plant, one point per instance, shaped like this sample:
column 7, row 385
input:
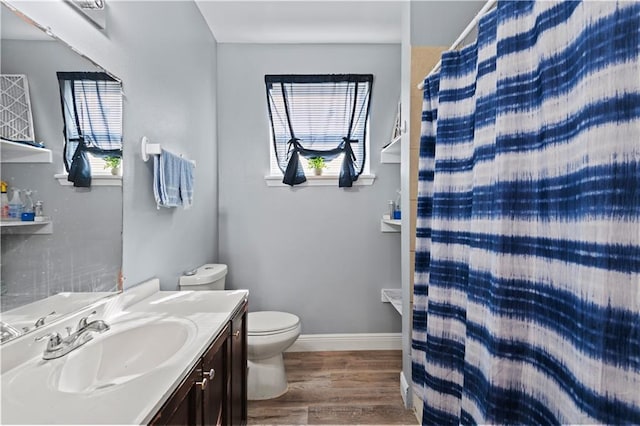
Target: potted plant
column 317, row 164
column 113, row 163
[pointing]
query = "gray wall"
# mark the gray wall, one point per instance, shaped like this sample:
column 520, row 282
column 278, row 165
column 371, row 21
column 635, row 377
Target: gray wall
column 169, row 70
column 84, row 253
column 439, row 23
column 165, row 55
column 316, row 252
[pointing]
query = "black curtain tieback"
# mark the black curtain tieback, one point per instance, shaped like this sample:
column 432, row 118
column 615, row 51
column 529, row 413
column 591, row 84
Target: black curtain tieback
column 293, row 142
column 347, row 143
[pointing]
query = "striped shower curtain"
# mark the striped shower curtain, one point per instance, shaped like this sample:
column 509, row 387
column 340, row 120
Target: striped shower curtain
column 527, row 284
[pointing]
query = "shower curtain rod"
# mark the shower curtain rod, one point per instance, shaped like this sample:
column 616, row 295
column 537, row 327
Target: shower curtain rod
column 486, row 8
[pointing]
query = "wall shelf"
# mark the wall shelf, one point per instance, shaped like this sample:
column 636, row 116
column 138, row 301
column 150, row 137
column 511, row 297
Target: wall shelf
column 14, row 152
column 16, row 227
column 390, row 225
column 393, row 296
column 391, row 152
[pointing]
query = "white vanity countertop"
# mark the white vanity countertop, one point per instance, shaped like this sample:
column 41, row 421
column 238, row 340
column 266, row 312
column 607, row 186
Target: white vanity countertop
column 51, row 308
column 104, row 383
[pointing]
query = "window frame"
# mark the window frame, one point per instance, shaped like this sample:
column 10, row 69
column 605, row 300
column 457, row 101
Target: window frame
column 328, row 178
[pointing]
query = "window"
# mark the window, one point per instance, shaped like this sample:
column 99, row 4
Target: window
column 92, row 112
column 319, row 116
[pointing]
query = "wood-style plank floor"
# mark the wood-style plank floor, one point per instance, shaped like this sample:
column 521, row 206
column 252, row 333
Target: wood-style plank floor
column 337, row 388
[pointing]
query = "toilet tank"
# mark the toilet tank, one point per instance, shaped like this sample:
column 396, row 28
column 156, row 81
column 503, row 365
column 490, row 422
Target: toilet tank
column 207, row 277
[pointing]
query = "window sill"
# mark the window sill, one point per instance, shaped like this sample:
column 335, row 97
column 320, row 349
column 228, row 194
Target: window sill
column 276, row 180
column 97, row 180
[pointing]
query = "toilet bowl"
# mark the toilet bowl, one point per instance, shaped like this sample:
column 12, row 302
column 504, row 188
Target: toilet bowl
column 270, row 333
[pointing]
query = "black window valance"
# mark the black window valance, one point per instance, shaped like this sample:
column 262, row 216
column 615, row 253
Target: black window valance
column 319, row 116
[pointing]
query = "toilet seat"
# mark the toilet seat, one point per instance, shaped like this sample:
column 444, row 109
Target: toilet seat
column 267, row 323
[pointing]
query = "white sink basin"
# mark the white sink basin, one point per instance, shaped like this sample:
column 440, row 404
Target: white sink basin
column 118, row 356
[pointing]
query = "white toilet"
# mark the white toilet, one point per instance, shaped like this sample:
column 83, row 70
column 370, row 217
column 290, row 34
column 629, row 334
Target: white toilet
column 207, row 277
column 269, row 334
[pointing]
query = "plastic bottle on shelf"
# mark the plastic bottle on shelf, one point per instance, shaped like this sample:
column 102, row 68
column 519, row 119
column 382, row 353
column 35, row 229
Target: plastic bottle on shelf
column 39, row 212
column 396, row 213
column 5, row 201
column 15, row 205
column 39, row 209
column 27, row 208
column 28, row 205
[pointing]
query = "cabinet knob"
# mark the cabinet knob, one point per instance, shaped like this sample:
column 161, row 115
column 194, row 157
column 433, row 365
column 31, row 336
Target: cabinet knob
column 211, row 373
column 203, row 384
column 236, row 334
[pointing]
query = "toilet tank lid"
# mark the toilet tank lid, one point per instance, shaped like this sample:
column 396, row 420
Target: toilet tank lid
column 269, row 321
column 205, row 274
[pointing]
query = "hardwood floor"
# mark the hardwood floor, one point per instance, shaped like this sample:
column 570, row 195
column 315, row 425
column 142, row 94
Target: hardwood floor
column 337, row 388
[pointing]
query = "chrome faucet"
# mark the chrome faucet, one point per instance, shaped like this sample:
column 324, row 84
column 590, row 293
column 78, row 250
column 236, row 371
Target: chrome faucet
column 96, row 325
column 7, row 331
column 58, row 346
column 53, row 344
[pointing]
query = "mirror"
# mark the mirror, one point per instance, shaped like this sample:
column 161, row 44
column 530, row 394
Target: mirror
column 75, row 258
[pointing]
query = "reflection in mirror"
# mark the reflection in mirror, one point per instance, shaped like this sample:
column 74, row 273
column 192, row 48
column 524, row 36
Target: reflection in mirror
column 73, row 257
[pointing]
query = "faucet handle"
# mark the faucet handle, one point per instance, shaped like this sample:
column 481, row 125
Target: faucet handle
column 54, row 340
column 40, row 321
column 83, row 321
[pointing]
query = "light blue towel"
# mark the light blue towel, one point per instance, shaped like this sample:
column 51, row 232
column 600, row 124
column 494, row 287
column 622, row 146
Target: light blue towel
column 172, row 180
column 186, row 183
column 157, row 182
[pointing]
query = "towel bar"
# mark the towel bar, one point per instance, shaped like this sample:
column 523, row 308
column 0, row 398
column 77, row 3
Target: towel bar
column 148, row 149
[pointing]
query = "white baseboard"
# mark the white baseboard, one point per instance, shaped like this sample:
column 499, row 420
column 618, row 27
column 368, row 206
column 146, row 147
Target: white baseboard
column 417, row 406
column 347, row 342
column 404, row 391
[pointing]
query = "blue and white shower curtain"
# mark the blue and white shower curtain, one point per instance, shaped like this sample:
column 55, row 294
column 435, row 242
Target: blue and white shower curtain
column 527, row 284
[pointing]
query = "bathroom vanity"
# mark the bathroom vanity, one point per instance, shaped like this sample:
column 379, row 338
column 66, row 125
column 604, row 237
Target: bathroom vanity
column 168, row 357
column 215, row 390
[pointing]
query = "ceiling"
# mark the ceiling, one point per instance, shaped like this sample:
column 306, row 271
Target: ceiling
column 303, row 21
column 433, row 22
column 311, row 21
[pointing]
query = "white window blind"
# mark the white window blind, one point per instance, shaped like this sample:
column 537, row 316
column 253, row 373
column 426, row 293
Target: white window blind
column 320, row 114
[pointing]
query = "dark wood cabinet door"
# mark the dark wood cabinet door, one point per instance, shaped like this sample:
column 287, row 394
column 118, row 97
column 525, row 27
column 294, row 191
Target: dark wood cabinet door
column 214, row 369
column 185, row 405
column 238, row 368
